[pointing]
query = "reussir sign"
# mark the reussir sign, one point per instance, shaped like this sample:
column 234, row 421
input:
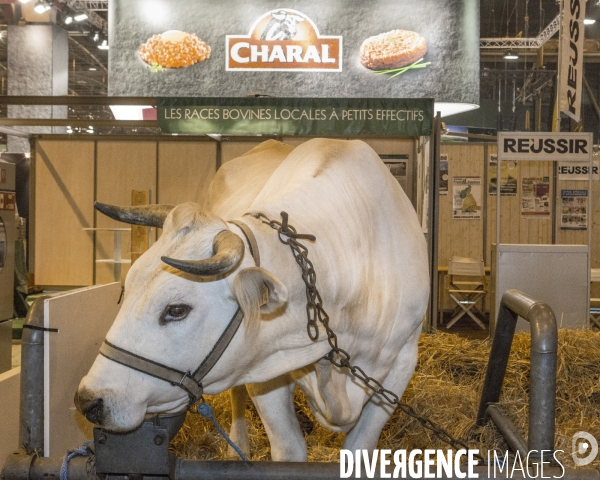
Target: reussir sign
column 571, row 58
column 545, row 146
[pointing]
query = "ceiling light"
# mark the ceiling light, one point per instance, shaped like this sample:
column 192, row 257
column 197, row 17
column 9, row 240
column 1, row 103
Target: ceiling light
column 589, row 21
column 41, row 7
column 23, row 1
column 103, row 45
column 510, row 55
column 128, row 112
column 96, row 37
column 80, row 16
column 68, row 20
column 92, row 69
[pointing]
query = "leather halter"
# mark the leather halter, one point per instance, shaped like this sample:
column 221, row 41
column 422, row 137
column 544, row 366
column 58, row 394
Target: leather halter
column 190, row 382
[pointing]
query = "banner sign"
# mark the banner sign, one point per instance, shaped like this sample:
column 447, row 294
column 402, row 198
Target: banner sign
column 296, row 116
column 571, row 58
column 545, row 146
column 577, row 170
column 304, row 49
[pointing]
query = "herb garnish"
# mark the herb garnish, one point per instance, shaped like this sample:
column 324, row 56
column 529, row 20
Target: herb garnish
column 400, row 71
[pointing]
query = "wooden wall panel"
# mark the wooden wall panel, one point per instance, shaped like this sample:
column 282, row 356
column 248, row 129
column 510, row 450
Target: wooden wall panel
column 121, row 168
column 514, row 228
column 185, row 171
column 463, row 237
column 63, row 206
column 232, row 150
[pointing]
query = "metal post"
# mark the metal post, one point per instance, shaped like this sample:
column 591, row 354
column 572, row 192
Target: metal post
column 118, row 256
column 434, row 216
column 542, row 378
column 31, row 427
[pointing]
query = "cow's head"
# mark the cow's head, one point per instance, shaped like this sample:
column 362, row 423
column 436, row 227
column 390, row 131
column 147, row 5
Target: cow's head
column 287, row 23
column 173, row 315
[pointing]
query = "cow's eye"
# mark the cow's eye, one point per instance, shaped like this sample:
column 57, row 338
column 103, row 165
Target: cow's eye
column 174, row 313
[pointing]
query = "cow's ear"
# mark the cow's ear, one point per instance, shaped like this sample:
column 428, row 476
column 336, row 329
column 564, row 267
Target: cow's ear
column 257, row 290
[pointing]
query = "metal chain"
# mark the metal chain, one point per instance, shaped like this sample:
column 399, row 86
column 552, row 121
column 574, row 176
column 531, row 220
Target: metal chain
column 337, row 356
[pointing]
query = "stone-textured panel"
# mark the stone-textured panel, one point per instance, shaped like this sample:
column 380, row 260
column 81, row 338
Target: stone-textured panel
column 37, row 65
column 450, row 27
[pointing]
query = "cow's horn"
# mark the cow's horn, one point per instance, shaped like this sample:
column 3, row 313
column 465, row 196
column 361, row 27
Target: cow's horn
column 228, row 251
column 148, row 215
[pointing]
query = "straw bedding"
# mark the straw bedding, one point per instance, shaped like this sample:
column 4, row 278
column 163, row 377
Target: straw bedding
column 446, row 388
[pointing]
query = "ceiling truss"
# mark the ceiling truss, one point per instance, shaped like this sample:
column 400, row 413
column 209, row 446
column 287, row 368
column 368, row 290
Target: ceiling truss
column 517, row 43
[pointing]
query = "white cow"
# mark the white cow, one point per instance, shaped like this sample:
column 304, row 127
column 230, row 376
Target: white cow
column 371, row 265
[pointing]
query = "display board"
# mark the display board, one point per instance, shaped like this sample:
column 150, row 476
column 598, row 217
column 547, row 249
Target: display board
column 557, row 275
column 546, row 147
column 340, row 48
column 10, row 387
column 80, row 320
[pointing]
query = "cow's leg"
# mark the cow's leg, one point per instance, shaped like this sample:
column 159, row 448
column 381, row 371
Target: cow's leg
column 239, row 428
column 377, row 411
column 274, row 401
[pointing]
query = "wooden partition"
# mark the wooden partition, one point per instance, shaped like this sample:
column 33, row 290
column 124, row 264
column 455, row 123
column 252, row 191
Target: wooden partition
column 62, row 206
column 69, row 174
column 462, row 237
column 236, row 148
column 121, row 167
column 474, row 238
column 178, row 162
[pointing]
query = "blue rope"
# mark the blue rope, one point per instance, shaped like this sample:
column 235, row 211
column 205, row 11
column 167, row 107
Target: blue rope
column 206, row 411
column 76, row 452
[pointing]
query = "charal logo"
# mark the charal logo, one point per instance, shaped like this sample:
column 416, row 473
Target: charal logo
column 284, row 39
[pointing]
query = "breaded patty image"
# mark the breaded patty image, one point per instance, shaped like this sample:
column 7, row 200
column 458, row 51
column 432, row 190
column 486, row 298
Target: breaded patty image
column 394, row 49
column 174, row 49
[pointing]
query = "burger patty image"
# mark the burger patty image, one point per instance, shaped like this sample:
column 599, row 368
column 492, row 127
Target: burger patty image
column 394, row 49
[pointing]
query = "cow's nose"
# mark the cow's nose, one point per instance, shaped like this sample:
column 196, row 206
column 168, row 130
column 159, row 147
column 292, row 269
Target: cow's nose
column 92, row 410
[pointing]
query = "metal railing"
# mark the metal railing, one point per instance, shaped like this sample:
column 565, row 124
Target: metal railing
column 542, row 379
column 139, row 454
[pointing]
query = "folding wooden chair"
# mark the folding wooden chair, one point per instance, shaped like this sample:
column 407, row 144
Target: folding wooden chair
column 467, row 287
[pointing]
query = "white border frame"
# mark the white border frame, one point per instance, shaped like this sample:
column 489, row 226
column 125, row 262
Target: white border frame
column 257, row 21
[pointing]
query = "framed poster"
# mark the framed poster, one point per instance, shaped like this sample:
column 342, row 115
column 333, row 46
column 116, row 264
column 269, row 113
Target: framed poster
column 444, row 174
column 398, row 166
column 573, row 209
column 509, row 177
column 466, row 198
column 535, row 201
